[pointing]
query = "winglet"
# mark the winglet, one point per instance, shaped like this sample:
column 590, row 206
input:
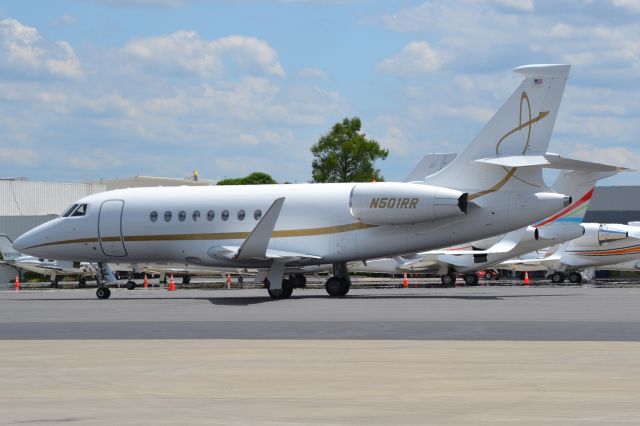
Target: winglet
column 255, row 246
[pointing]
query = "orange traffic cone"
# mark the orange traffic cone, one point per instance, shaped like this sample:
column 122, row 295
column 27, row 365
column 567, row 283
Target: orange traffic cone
column 17, row 283
column 145, row 282
column 172, row 284
column 405, row 281
column 228, row 280
column 526, row 278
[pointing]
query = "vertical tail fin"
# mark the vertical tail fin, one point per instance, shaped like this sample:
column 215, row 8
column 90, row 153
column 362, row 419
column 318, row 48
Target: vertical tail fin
column 522, row 126
column 6, row 248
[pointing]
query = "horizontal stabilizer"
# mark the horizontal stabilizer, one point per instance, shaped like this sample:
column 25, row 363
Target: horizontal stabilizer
column 550, row 161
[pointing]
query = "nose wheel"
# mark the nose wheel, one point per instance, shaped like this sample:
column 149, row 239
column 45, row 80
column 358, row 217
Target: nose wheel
column 103, row 292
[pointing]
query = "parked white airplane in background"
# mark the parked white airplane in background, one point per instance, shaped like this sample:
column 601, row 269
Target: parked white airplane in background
column 494, row 186
column 469, row 258
column 603, row 246
column 47, row 267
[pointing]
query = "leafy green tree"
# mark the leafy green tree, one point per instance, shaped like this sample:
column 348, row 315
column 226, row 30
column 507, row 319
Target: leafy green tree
column 255, row 178
column 346, row 155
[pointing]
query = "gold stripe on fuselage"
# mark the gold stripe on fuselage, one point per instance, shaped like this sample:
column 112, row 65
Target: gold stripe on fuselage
column 219, row 235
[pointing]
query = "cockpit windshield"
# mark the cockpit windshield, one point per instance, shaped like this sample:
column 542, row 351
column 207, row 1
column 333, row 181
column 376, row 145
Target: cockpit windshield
column 69, row 210
column 80, row 211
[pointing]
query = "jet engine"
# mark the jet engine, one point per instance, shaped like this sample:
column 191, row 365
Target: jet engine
column 560, row 231
column 598, row 234
column 404, row 203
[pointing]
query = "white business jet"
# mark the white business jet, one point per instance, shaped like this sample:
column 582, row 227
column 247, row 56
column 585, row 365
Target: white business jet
column 494, row 186
column 603, row 246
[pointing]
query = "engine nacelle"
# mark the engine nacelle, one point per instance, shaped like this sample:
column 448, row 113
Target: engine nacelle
column 559, row 231
column 598, row 234
column 391, row 203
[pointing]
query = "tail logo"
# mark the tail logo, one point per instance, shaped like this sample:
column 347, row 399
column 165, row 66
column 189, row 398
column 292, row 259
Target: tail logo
column 510, row 171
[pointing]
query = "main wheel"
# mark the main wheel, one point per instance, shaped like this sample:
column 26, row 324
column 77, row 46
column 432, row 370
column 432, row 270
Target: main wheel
column 335, row 287
column 186, row 279
column 448, row 280
column 82, row 282
column 471, row 279
column 131, row 285
column 575, row 277
column 103, row 293
column 346, row 286
column 298, row 281
column 282, row 293
column 557, row 277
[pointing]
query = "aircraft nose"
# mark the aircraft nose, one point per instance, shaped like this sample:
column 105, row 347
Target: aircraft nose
column 30, row 239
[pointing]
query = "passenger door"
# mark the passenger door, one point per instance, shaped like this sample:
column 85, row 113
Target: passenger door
column 110, row 228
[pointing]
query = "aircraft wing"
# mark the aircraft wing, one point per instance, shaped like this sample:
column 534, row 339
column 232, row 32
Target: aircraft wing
column 533, row 262
column 229, row 253
column 504, row 245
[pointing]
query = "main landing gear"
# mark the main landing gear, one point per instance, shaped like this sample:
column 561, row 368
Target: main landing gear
column 448, row 280
column 557, row 278
column 340, row 283
column 471, row 279
column 294, row 281
column 575, row 277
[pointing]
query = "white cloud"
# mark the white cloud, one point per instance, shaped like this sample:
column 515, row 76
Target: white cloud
column 316, row 73
column 615, row 156
column 417, row 57
column 631, row 5
column 25, row 53
column 185, row 52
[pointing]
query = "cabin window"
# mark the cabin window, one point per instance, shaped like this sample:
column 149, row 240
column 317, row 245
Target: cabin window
column 196, row 215
column 211, row 215
column 69, row 210
column 257, row 215
column 241, row 214
column 182, row 215
column 153, row 216
column 167, row 216
column 80, row 211
column 225, row 215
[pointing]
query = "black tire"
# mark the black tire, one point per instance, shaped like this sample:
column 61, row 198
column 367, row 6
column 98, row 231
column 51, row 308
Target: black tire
column 103, row 293
column 448, row 280
column 557, row 278
column 335, row 287
column 471, row 279
column 131, row 285
column 82, row 282
column 240, row 279
column 346, row 286
column 282, row 293
column 299, row 281
column 186, row 279
column 575, row 277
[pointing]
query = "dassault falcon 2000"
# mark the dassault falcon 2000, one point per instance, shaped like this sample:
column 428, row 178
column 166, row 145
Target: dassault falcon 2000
column 494, row 186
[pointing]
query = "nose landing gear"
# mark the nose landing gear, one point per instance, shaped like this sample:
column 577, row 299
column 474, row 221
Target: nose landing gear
column 340, row 283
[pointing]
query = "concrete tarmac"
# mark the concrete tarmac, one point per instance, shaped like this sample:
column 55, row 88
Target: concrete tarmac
column 328, row 382
column 482, row 313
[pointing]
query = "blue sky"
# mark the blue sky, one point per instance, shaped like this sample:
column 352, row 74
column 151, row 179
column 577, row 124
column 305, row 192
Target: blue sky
column 114, row 88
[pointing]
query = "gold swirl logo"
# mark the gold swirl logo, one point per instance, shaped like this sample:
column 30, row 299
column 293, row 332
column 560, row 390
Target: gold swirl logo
column 530, row 121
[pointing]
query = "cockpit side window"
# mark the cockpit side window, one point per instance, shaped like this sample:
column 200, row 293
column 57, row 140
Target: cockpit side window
column 69, row 210
column 80, row 211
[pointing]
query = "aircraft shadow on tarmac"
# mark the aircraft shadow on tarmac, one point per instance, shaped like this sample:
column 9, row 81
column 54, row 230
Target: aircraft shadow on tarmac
column 255, row 300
